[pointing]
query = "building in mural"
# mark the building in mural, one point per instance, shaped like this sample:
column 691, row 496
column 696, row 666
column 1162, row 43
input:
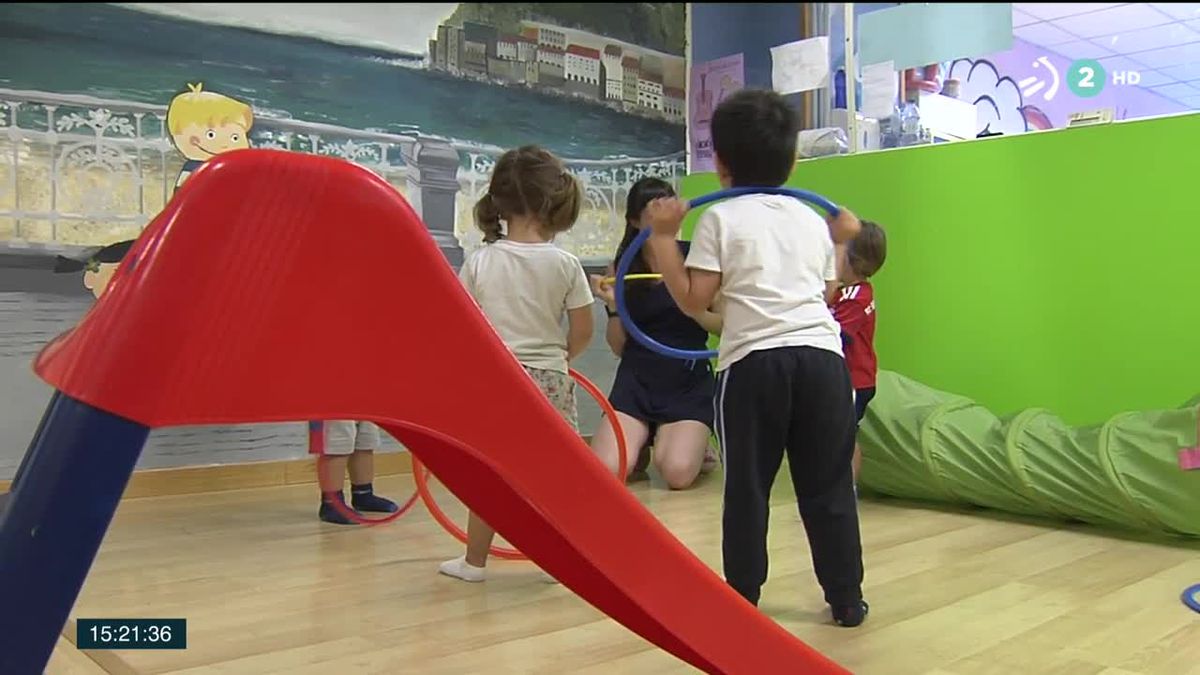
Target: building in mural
column 631, row 70
column 613, row 74
column 577, row 63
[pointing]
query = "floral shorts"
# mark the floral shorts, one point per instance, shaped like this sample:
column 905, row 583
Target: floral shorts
column 560, row 389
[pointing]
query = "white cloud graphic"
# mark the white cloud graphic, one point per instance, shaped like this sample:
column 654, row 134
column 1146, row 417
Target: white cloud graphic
column 997, row 99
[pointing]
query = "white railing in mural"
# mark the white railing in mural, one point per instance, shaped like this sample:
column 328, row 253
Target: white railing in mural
column 79, row 171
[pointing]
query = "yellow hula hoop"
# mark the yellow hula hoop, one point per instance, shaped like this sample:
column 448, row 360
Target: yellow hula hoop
column 632, row 277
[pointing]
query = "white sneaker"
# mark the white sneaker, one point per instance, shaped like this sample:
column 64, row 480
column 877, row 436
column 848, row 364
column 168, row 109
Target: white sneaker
column 459, row 568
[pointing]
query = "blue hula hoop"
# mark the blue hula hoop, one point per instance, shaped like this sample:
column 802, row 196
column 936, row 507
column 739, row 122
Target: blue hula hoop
column 1191, row 597
column 626, row 262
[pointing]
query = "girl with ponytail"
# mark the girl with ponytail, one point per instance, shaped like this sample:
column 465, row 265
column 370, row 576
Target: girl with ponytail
column 525, row 285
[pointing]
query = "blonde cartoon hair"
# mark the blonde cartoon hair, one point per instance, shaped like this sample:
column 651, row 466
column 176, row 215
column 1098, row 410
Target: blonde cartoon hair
column 206, row 108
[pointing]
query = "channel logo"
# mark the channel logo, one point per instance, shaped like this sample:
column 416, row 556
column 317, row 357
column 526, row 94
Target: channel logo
column 1087, row 78
column 1034, row 84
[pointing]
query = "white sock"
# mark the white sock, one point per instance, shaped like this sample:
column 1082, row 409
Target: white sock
column 459, row 568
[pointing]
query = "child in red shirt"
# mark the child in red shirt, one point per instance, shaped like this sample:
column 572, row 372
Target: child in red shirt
column 854, row 309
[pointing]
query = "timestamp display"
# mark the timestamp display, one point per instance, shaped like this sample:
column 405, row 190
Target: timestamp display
column 131, row 634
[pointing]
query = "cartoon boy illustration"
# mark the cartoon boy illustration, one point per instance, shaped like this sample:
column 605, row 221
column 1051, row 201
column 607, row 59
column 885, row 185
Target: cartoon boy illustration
column 98, row 265
column 204, row 124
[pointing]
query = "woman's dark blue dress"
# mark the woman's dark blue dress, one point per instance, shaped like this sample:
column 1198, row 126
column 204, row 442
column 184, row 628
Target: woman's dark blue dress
column 656, row 389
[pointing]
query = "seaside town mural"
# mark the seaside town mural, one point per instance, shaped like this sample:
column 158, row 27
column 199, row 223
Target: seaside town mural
column 105, row 109
column 560, row 61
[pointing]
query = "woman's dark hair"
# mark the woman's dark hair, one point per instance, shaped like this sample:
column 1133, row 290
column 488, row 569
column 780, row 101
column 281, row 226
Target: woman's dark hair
column 529, row 181
column 641, row 194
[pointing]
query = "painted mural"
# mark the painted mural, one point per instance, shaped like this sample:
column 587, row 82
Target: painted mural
column 98, row 266
column 105, row 109
column 203, row 124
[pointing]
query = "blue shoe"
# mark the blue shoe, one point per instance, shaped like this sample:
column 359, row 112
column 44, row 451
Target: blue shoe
column 328, row 514
column 373, row 503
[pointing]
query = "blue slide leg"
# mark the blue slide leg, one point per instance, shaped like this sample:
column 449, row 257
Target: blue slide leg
column 54, row 520
column 29, row 454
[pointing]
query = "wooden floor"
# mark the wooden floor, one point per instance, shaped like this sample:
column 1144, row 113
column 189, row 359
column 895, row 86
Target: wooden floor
column 267, row 589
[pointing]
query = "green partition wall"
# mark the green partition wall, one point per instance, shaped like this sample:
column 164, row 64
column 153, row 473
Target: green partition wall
column 1039, row 319
column 1055, row 270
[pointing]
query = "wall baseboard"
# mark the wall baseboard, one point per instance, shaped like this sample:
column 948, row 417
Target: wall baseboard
column 188, row 480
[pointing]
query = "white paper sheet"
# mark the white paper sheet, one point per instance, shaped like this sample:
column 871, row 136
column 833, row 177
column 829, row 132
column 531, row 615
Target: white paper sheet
column 800, row 66
column 880, row 86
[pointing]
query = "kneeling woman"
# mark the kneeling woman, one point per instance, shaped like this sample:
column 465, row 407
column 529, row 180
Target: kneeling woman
column 658, row 398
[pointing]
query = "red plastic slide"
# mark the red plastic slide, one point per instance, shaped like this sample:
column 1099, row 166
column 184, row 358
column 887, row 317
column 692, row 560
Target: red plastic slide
column 280, row 286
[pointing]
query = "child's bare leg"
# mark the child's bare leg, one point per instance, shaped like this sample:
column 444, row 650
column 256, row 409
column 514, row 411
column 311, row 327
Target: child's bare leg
column 471, row 567
column 362, row 491
column 331, row 473
column 331, row 469
column 479, row 540
column 362, row 467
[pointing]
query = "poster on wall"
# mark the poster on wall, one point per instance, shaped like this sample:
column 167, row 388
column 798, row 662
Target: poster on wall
column 800, row 66
column 711, row 82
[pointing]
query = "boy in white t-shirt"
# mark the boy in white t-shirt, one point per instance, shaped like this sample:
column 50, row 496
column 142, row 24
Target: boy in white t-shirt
column 768, row 263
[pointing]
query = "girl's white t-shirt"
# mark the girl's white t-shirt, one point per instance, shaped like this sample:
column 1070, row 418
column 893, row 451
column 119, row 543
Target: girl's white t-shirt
column 526, row 290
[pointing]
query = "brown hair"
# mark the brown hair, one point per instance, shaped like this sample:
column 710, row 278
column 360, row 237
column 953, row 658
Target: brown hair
column 868, row 250
column 529, row 181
